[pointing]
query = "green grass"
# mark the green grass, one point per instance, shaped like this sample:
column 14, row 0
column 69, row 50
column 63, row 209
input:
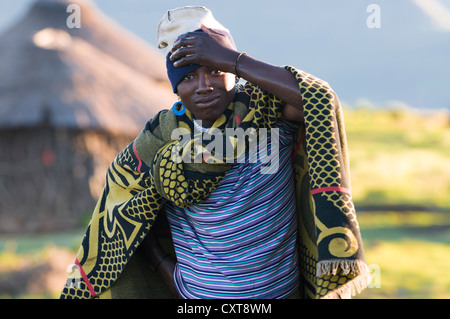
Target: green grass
column 396, row 226
column 30, row 244
column 399, row 157
column 402, row 158
column 408, row 253
column 408, row 269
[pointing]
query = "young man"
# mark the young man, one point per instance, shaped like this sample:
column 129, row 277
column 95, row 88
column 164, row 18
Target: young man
column 238, row 231
column 221, row 248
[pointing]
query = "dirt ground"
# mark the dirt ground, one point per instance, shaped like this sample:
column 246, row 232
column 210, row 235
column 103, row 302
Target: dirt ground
column 41, row 278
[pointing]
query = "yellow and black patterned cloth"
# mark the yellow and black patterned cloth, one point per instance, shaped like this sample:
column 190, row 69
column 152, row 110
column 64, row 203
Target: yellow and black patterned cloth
column 145, row 175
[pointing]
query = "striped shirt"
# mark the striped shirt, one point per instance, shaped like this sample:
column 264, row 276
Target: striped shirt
column 240, row 242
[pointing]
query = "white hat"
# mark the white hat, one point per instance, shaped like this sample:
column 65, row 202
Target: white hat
column 184, row 19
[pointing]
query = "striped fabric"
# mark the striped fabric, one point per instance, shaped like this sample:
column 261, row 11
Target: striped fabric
column 240, row 243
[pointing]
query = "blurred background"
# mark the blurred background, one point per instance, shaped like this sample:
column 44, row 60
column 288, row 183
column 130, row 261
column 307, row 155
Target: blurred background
column 73, row 95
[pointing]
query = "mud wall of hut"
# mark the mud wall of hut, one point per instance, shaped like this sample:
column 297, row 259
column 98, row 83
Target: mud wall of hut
column 51, row 179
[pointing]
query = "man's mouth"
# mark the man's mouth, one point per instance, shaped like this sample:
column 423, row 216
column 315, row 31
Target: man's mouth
column 206, row 102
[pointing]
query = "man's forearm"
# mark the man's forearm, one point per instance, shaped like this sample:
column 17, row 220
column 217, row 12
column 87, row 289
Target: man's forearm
column 163, row 262
column 274, row 79
column 153, row 250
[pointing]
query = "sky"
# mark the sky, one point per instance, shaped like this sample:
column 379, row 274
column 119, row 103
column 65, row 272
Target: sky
column 382, row 53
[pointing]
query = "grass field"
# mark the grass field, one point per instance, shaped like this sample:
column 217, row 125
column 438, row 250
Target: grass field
column 408, row 254
column 400, row 164
column 401, row 159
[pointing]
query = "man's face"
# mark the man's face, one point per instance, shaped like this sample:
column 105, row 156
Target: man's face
column 206, row 93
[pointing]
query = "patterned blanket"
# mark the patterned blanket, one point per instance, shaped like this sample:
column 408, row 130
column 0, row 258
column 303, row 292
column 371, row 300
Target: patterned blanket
column 145, row 175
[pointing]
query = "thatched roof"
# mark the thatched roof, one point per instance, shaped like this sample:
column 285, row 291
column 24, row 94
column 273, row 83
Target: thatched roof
column 98, row 76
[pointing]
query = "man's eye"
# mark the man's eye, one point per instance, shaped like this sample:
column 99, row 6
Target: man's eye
column 216, row 72
column 188, row 77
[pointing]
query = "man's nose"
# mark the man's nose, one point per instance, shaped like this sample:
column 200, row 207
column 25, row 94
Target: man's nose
column 204, row 84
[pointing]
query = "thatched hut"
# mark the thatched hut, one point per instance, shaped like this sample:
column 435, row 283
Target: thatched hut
column 70, row 100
